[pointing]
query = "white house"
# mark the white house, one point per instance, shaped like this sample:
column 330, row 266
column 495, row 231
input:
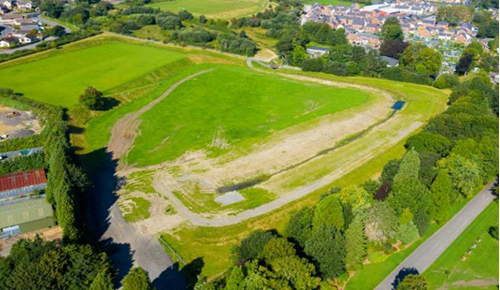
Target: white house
column 316, row 51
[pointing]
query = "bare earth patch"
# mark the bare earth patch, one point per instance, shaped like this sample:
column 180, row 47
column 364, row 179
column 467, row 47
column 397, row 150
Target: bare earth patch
column 16, row 123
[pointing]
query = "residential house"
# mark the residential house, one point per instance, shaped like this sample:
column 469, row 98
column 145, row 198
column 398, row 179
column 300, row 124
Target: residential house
column 8, row 42
column 24, row 5
column 316, row 51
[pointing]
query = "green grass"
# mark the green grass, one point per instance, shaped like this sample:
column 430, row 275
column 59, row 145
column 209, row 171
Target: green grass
column 139, row 209
column 140, row 181
column 152, row 32
column 218, row 103
column 61, row 78
column 214, row 8
column 71, row 26
column 480, row 270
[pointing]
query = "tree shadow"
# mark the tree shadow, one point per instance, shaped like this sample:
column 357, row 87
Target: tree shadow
column 170, row 279
column 109, row 103
column 402, row 274
column 120, row 256
column 192, row 272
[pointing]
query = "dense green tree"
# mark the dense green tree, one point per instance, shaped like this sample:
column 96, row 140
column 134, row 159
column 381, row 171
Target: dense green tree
column 428, row 170
column 381, row 222
column 52, row 8
column 299, row 227
column 441, row 191
column 422, row 59
column 102, row 282
column 409, row 193
column 277, row 248
column 169, row 22
column 137, row 279
column 313, row 64
column 464, row 174
column 298, row 55
column 454, row 15
column 355, row 243
column 251, row 246
column 464, row 63
column 446, row 81
column 390, row 170
column 356, row 197
column 340, row 53
column 407, row 231
column 327, row 248
column 413, row 282
column 409, row 166
column 185, row 15
column 391, row 29
column 92, row 99
column 329, row 212
column 392, row 47
column 371, row 186
column 493, row 231
column 297, row 271
column 39, row 264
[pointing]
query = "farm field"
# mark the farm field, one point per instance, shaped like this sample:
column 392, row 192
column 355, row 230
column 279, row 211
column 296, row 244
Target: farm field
column 61, row 78
column 480, row 270
column 214, row 8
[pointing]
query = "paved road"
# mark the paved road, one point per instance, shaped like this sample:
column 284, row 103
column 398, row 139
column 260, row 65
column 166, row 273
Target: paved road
column 428, row 252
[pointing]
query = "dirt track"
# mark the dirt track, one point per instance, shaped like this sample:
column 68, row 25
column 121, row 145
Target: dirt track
column 126, row 129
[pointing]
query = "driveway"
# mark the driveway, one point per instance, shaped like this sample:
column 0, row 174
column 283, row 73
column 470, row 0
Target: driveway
column 423, row 257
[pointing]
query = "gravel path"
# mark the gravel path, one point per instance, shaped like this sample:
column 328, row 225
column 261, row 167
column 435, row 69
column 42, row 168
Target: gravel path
column 423, row 257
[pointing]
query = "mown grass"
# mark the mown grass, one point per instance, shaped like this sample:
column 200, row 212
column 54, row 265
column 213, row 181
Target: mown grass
column 214, row 8
column 61, row 78
column 71, row 26
column 219, row 106
column 480, row 270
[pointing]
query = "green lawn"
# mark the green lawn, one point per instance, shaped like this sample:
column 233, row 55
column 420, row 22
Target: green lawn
column 480, row 270
column 61, row 78
column 218, row 103
column 214, row 8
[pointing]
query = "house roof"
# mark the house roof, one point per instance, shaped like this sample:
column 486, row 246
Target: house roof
column 390, row 61
column 24, row 212
column 22, row 179
column 318, row 48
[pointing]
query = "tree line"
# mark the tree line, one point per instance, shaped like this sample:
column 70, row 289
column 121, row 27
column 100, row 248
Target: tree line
column 65, row 180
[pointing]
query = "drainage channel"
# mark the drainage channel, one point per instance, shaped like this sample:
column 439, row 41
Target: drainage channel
column 255, row 181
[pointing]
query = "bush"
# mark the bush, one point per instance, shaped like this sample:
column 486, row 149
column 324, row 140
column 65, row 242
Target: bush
column 446, row 81
column 493, row 230
column 92, row 99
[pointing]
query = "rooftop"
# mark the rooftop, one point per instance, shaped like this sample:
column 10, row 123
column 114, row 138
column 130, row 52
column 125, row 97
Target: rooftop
column 22, row 179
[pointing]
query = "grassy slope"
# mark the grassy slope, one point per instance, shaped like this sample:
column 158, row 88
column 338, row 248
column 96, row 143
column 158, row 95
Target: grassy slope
column 482, row 265
column 214, row 244
column 60, row 79
column 214, row 8
column 241, row 111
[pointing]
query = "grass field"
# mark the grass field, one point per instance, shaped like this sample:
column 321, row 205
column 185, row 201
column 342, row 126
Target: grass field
column 137, row 209
column 218, row 105
column 61, row 78
column 214, row 8
column 480, row 270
